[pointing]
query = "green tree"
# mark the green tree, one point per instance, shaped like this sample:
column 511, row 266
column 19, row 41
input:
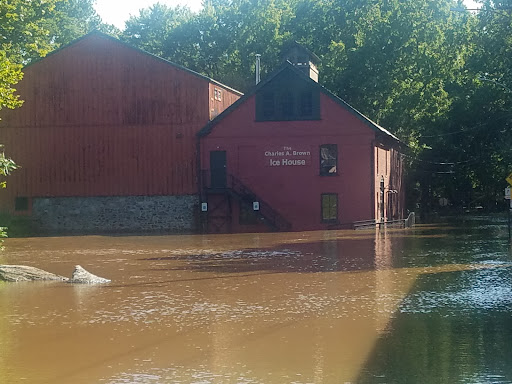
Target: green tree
column 151, row 28
column 75, row 18
column 25, row 28
column 485, row 144
column 7, row 165
column 23, row 36
column 10, row 74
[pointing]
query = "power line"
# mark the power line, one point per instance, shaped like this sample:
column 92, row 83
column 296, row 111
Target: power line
column 484, row 124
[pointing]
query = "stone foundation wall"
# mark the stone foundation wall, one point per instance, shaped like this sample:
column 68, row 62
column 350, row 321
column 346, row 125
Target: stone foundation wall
column 118, row 214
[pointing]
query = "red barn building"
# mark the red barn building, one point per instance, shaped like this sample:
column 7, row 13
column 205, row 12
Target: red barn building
column 106, row 140
column 113, row 139
column 290, row 155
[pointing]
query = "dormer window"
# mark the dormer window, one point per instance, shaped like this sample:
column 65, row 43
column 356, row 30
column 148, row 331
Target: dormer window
column 306, row 104
column 288, row 103
column 268, row 105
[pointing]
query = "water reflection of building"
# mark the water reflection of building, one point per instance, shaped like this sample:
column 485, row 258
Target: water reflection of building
column 384, row 279
column 319, row 316
column 383, row 251
column 5, row 332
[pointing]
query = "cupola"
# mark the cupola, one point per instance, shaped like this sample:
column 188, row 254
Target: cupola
column 303, row 59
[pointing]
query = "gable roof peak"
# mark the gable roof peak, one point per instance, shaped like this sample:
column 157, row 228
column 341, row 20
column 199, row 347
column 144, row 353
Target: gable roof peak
column 288, row 66
column 105, row 36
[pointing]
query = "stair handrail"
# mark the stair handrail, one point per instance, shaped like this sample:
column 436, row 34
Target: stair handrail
column 265, row 209
column 236, row 185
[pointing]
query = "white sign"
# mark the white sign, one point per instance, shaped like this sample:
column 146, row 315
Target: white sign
column 204, row 207
column 256, row 205
column 287, row 156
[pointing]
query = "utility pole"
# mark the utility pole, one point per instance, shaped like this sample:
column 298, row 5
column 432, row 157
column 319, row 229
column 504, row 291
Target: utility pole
column 507, row 196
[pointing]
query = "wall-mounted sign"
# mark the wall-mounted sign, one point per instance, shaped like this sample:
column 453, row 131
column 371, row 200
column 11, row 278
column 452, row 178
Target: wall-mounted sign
column 509, row 179
column 256, row 206
column 287, row 156
column 204, row 207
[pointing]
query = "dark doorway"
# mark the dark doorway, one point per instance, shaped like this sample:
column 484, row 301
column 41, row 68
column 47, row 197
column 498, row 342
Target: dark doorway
column 218, row 174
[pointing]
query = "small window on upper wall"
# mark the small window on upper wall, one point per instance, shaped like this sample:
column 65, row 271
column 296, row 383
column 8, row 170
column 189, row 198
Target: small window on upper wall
column 288, row 102
column 21, row 204
column 330, row 207
column 217, row 94
column 328, row 160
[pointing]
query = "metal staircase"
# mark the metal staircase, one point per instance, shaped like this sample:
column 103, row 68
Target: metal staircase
column 234, row 188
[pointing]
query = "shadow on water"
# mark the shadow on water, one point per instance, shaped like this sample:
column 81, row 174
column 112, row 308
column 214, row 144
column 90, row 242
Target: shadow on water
column 311, row 257
column 452, row 327
column 426, row 246
column 322, row 256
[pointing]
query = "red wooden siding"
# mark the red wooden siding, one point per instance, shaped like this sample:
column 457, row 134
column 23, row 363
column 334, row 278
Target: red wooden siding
column 221, row 98
column 382, row 169
column 101, row 118
column 388, row 164
column 99, row 81
column 101, row 161
column 396, row 194
column 295, row 191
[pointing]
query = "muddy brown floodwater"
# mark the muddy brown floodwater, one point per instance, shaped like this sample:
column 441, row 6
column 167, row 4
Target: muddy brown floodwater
column 425, row 305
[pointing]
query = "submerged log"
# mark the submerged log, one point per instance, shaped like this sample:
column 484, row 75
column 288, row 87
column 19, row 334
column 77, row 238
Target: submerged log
column 81, row 276
column 15, row 273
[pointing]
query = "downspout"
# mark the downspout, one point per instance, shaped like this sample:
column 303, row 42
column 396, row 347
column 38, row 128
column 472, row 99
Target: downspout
column 372, row 178
column 382, row 199
column 199, row 183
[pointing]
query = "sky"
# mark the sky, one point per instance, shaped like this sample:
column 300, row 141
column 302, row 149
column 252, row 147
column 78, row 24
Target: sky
column 118, row 11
